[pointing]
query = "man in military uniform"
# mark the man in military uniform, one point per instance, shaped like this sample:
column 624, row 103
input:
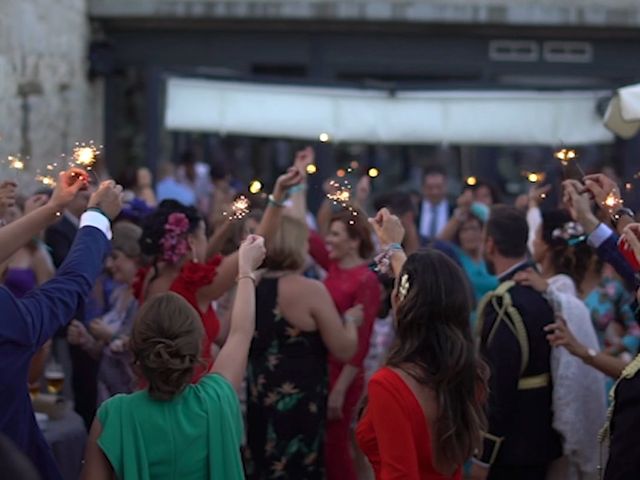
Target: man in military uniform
column 520, row 442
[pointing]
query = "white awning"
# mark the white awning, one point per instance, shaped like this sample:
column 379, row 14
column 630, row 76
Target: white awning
column 623, row 113
column 378, row 116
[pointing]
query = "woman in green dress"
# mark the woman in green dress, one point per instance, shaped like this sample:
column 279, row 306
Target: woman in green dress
column 175, row 429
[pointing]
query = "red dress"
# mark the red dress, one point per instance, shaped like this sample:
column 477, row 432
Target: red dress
column 393, row 432
column 347, row 287
column 191, row 278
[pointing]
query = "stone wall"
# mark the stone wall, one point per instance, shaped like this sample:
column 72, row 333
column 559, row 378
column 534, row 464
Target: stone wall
column 590, row 13
column 46, row 103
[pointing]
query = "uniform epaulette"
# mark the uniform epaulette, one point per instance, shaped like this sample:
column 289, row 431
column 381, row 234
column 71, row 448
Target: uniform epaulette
column 506, row 313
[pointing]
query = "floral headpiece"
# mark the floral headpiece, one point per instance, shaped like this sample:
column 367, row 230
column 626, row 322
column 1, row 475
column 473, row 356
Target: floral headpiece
column 571, row 232
column 174, row 243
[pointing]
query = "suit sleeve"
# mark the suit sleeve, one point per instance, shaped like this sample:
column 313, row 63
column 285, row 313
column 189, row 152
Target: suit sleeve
column 605, row 241
column 503, row 355
column 392, row 425
column 369, row 297
column 32, row 320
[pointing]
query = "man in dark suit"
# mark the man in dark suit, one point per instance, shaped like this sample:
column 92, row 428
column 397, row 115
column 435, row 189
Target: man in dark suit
column 520, row 442
column 434, row 210
column 27, row 323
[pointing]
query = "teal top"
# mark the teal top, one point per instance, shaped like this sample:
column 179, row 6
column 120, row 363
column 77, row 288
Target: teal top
column 195, row 436
column 481, row 280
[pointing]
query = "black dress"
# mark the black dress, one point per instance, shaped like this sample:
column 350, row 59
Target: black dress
column 287, row 395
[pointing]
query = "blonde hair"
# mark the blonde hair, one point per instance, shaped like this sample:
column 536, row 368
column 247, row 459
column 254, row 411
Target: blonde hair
column 288, row 249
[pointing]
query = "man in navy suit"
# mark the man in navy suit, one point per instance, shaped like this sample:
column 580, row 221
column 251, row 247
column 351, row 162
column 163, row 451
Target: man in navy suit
column 27, row 323
column 434, row 211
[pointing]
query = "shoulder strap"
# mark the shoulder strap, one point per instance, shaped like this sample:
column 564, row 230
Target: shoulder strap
column 506, row 313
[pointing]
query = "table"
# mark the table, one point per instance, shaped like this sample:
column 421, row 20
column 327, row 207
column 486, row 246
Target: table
column 67, row 437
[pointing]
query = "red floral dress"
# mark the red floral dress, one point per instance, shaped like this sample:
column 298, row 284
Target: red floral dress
column 191, row 278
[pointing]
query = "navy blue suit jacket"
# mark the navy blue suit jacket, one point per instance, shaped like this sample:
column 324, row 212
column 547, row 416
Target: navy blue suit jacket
column 26, row 324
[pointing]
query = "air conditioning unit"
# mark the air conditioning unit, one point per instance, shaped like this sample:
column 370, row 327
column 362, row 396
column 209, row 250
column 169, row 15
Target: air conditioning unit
column 514, row 51
column 567, row 52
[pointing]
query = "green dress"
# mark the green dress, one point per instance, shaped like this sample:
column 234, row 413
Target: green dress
column 197, row 435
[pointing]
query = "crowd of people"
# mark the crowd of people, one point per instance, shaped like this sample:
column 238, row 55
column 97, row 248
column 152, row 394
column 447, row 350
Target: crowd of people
column 391, row 337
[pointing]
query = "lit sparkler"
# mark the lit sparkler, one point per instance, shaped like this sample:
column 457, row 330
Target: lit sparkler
column 255, row 187
column 535, row 177
column 342, row 196
column 239, row 208
column 613, row 202
column 471, row 181
column 567, row 155
column 46, row 180
column 311, row 169
column 84, row 154
column 373, row 172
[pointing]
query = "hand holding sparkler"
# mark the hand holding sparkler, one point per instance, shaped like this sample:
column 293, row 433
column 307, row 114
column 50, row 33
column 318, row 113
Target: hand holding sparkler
column 579, row 204
column 68, row 185
column 388, row 228
column 605, row 191
column 108, row 198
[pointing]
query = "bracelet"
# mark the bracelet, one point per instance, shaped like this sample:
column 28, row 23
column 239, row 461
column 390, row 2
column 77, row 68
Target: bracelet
column 272, row 201
column 297, row 188
column 250, row 276
column 394, row 246
column 98, row 210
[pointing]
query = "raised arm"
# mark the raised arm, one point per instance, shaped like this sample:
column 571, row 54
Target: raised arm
column 390, row 232
column 52, row 306
column 298, row 208
column 228, row 270
column 231, row 362
column 341, row 338
column 18, row 233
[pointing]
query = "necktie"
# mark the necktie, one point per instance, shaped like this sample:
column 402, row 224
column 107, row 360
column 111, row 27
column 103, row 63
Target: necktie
column 433, row 224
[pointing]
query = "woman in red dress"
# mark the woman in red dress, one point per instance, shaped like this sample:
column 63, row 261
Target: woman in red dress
column 350, row 282
column 424, row 413
column 174, row 236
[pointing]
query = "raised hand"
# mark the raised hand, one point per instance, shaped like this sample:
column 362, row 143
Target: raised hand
column 601, row 187
column 631, row 236
column 388, row 227
column 285, row 181
column 576, row 197
column 559, row 335
column 34, row 202
column 531, row 278
column 251, row 255
column 68, row 185
column 107, row 198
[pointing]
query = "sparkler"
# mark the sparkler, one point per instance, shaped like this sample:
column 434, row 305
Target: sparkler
column 471, row 181
column 535, row 177
column 255, row 187
column 342, row 196
column 239, row 208
column 46, row 180
column 311, row 169
column 373, row 172
column 84, row 154
column 613, row 202
column 567, row 155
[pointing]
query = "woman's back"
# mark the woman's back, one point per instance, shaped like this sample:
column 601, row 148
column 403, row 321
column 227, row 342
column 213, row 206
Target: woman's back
column 287, row 382
column 196, row 435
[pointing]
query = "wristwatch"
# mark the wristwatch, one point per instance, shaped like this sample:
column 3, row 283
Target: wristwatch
column 621, row 212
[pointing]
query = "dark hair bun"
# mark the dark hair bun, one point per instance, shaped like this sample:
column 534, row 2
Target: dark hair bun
column 153, row 225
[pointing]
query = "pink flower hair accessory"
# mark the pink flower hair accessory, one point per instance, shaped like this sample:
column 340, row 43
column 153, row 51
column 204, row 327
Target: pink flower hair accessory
column 174, row 242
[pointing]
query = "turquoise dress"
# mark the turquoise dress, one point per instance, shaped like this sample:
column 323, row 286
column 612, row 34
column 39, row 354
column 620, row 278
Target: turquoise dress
column 481, row 280
column 195, row 436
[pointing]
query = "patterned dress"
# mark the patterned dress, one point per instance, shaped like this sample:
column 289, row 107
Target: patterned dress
column 287, row 395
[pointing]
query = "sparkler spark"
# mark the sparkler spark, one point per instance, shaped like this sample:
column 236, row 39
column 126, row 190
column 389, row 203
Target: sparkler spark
column 373, row 172
column 15, row 163
column 342, row 193
column 535, row 177
column 46, row 180
column 239, row 208
column 311, row 169
column 255, row 187
column 565, row 155
column 613, row 201
column 471, row 181
column 84, row 154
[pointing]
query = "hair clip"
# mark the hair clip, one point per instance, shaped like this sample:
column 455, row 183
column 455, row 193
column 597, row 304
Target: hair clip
column 404, row 286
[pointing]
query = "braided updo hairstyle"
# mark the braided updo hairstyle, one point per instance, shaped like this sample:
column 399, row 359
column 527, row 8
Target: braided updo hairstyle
column 572, row 260
column 166, row 342
column 153, row 226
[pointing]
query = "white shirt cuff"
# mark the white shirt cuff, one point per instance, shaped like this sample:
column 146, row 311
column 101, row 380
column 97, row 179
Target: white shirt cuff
column 97, row 220
column 599, row 235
